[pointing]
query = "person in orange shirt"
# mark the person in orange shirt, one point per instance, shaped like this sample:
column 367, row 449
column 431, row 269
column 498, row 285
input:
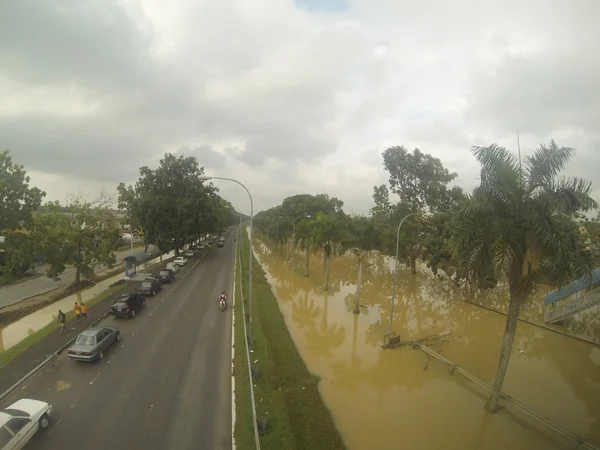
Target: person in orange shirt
column 77, row 312
column 84, row 314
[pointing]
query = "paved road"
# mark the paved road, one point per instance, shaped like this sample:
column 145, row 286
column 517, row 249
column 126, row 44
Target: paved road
column 18, row 292
column 165, row 385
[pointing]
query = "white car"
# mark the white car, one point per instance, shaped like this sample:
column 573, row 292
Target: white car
column 21, row 420
column 190, row 253
column 174, row 267
column 180, row 261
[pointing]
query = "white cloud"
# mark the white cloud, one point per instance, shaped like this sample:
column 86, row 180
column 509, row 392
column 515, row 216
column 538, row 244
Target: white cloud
column 291, row 96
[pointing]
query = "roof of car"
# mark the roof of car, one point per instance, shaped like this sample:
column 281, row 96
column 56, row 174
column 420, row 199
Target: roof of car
column 90, row 332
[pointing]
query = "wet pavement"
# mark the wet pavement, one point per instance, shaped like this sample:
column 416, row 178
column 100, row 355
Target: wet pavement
column 400, row 398
column 14, row 333
column 166, row 384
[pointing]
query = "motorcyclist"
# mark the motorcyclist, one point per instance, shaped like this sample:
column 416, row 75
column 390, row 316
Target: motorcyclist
column 223, row 297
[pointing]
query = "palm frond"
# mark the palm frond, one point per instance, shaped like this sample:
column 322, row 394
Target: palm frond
column 546, row 163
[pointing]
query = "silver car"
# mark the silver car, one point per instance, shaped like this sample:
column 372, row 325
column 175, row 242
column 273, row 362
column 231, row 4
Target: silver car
column 93, row 342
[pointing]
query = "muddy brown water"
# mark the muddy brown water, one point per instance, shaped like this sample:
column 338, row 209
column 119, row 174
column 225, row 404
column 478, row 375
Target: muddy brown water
column 400, row 399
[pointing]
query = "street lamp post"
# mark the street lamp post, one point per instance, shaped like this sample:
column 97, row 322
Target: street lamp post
column 305, row 216
column 396, row 270
column 206, row 178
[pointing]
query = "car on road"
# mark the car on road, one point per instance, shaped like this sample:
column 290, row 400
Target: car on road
column 190, row 253
column 180, row 261
column 150, row 286
column 127, row 305
column 92, row 343
column 202, row 246
column 21, row 420
column 174, row 267
column 166, row 276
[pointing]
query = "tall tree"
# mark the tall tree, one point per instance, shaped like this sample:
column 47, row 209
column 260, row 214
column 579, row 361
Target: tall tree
column 171, row 203
column 421, row 183
column 17, row 200
column 85, row 236
column 328, row 231
column 520, row 219
column 362, row 238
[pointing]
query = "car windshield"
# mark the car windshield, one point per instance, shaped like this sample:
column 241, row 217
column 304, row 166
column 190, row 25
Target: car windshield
column 85, row 339
column 147, row 284
column 165, row 273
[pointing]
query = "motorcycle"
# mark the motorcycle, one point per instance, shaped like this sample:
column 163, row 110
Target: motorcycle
column 222, row 304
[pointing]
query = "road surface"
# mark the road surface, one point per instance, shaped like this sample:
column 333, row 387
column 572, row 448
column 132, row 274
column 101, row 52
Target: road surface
column 165, row 385
column 16, row 293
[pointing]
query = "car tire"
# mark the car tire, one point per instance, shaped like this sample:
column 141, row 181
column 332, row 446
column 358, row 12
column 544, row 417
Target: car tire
column 100, row 355
column 118, row 336
column 44, row 421
column 153, row 292
column 143, row 303
column 132, row 313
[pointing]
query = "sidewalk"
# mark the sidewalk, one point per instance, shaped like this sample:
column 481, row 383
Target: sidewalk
column 18, row 292
column 38, row 352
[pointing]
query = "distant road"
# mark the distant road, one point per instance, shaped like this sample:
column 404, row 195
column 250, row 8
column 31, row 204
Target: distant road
column 18, row 292
column 165, row 385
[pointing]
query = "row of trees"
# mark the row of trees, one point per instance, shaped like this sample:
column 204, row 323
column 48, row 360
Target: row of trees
column 169, row 203
column 520, row 226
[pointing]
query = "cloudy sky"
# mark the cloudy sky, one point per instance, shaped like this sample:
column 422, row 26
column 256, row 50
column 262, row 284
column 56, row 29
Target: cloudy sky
column 292, row 96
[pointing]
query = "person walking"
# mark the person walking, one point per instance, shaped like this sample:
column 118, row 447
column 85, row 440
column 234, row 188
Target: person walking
column 84, row 313
column 62, row 319
column 77, row 312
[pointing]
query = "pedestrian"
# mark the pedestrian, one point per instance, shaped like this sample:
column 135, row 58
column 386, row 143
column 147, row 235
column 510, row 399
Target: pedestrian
column 84, row 314
column 77, row 312
column 62, row 319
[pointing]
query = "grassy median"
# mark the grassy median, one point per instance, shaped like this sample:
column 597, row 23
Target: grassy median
column 286, row 393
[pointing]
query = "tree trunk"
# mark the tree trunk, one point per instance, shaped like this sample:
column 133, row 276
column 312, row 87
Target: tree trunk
column 512, row 319
column 358, row 284
column 327, row 263
column 307, row 260
column 413, row 265
column 77, row 275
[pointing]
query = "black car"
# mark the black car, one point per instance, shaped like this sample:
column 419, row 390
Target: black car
column 166, row 276
column 150, row 286
column 128, row 304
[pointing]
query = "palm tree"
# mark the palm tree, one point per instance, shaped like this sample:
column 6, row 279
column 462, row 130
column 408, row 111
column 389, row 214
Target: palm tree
column 305, row 233
column 363, row 238
column 520, row 220
column 327, row 232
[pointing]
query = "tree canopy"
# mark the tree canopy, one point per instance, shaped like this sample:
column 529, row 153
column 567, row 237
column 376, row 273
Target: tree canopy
column 172, row 204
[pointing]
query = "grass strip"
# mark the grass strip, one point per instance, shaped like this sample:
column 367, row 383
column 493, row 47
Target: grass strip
column 8, row 355
column 286, row 394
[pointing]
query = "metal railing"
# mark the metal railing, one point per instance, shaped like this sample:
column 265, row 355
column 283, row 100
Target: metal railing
column 573, row 306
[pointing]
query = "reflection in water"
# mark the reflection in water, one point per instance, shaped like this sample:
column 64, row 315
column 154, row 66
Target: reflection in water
column 383, row 399
column 16, row 332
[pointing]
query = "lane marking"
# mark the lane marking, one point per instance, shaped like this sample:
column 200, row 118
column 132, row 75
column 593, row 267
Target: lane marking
column 75, row 402
column 95, row 378
column 52, row 429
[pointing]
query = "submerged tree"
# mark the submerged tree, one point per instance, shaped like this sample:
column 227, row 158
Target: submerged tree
column 520, row 218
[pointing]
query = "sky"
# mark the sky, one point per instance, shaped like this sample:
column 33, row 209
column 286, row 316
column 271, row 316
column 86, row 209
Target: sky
column 288, row 96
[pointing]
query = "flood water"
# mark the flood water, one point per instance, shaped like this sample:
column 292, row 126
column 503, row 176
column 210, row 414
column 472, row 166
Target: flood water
column 19, row 330
column 401, row 398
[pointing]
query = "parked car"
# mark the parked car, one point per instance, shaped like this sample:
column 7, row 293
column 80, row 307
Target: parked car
column 127, row 305
column 21, row 420
column 166, row 276
column 180, row 261
column 221, row 244
column 92, row 343
column 190, row 253
column 150, row 286
column 202, row 246
column 173, row 267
